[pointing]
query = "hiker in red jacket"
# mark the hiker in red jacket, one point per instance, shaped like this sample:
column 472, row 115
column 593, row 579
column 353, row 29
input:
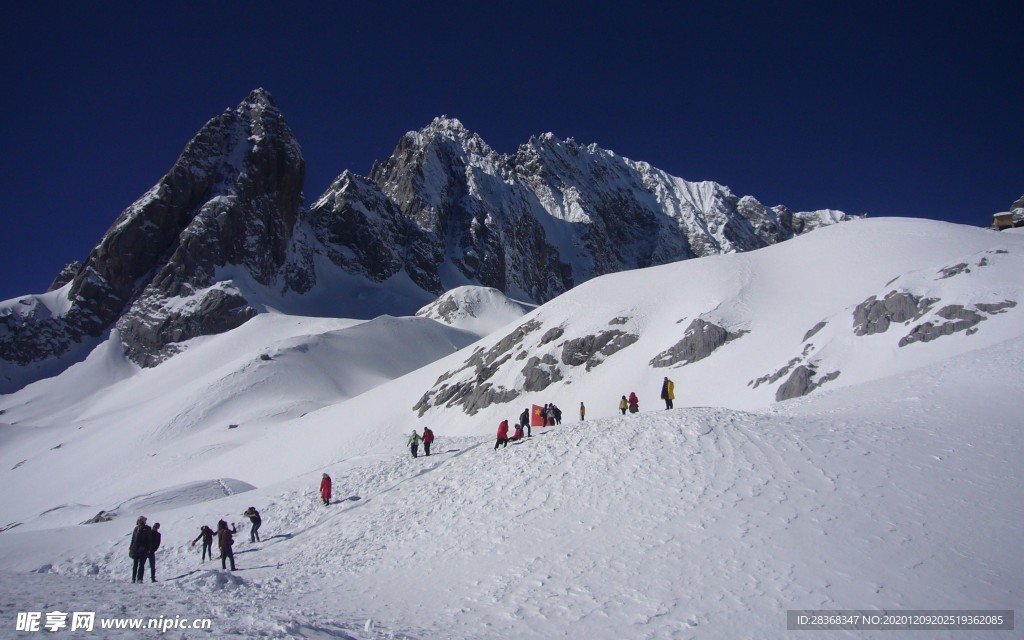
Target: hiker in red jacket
column 634, row 402
column 325, row 489
column 225, row 541
column 428, row 437
column 502, row 435
column 518, row 435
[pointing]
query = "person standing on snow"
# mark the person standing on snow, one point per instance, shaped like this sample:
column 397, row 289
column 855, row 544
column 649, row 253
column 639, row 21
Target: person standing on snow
column 154, row 544
column 225, row 541
column 668, row 392
column 414, row 442
column 256, row 520
column 325, row 489
column 556, row 413
column 206, row 533
column 634, row 402
column 138, row 549
column 623, row 405
column 428, row 437
column 502, row 435
column 583, row 412
column 524, row 419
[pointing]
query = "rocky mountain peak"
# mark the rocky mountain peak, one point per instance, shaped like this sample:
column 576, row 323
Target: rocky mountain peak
column 226, row 228
column 232, row 198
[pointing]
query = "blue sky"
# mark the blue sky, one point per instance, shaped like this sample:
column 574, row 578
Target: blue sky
column 893, row 109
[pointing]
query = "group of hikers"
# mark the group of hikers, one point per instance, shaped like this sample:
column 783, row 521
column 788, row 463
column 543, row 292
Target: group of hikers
column 552, row 415
column 632, row 403
column 146, row 540
column 549, row 415
column 415, row 439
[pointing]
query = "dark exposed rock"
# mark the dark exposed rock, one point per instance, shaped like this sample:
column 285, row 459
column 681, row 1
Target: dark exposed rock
column 813, row 330
column 874, row 316
column 502, row 347
column 232, row 198
column 540, row 373
column 66, row 275
column 155, row 334
column 470, row 395
column 592, row 350
column 701, row 339
column 955, row 270
column 102, row 516
column 477, row 393
column 960, row 319
column 802, row 382
column 775, row 377
column 998, row 307
column 551, row 335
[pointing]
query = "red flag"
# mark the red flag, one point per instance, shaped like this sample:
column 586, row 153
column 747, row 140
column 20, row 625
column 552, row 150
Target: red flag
column 535, row 416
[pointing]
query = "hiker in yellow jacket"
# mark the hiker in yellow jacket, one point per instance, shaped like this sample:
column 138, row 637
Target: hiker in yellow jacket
column 668, row 392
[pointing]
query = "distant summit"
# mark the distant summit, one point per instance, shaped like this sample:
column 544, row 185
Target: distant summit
column 481, row 310
column 225, row 235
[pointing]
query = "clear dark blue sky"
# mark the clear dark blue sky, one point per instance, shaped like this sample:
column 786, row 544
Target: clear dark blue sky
column 890, row 108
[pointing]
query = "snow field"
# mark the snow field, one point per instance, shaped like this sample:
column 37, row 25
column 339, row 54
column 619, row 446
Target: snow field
column 896, row 486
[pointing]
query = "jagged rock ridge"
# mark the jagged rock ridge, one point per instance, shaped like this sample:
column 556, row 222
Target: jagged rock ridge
column 226, row 227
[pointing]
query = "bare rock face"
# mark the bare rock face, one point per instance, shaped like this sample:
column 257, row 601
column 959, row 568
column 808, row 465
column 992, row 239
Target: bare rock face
column 957, row 318
column 592, row 350
column 232, row 199
column 701, row 339
column 66, row 275
column 802, row 381
column 874, row 316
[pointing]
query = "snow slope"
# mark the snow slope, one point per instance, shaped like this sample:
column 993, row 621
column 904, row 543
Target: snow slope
column 896, row 485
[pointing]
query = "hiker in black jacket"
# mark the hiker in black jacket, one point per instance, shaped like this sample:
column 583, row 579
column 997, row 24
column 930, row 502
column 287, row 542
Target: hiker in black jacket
column 138, row 550
column 206, row 535
column 254, row 517
column 154, row 544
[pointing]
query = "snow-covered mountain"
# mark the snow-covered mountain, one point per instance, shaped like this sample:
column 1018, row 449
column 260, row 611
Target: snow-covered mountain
column 893, row 482
column 481, row 310
column 225, row 236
